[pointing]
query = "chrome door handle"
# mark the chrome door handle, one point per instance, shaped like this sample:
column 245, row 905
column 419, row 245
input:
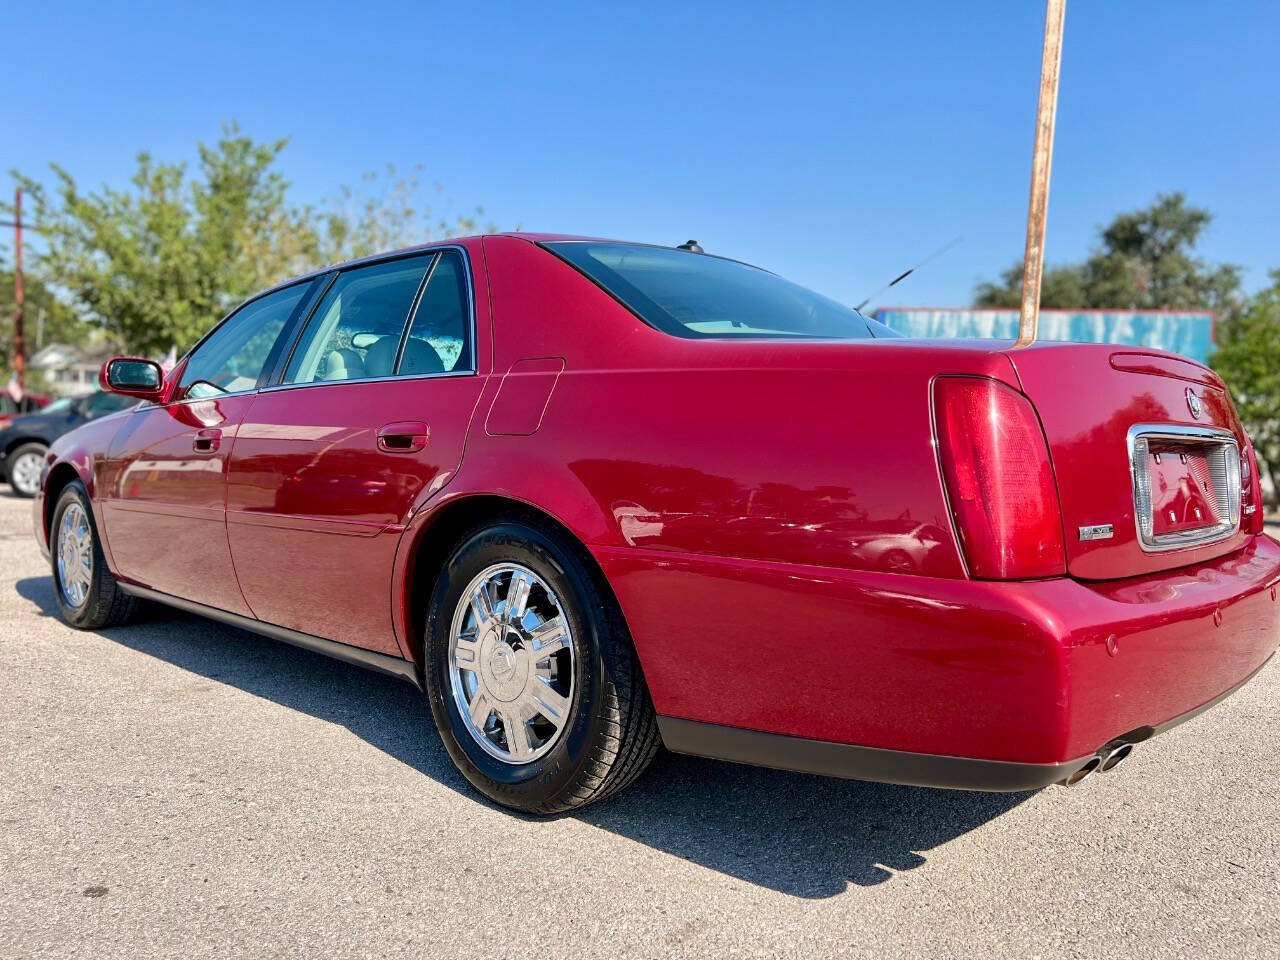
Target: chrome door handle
column 406, row 436
column 207, row 441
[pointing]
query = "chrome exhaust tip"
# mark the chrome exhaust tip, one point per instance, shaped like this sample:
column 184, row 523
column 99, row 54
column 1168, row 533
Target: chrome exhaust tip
column 1114, row 754
column 1088, row 768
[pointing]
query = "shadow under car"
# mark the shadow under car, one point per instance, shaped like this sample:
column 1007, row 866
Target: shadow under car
column 798, row 834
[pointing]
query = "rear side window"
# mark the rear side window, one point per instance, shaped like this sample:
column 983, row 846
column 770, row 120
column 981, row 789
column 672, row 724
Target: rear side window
column 443, row 318
column 396, row 319
column 700, row 296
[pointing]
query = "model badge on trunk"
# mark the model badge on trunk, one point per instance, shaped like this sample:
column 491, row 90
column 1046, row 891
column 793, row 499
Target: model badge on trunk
column 1098, row 531
column 1194, row 404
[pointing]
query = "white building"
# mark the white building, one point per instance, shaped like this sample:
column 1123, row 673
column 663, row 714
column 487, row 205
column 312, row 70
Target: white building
column 70, row 371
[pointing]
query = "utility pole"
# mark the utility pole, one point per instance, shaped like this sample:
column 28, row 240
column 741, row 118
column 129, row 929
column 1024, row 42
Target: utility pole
column 19, row 347
column 1041, row 160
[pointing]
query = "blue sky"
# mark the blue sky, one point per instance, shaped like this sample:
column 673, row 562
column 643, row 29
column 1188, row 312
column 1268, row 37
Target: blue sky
column 837, row 144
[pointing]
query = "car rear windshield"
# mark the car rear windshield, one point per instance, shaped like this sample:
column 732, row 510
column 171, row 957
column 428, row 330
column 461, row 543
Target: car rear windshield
column 699, row 296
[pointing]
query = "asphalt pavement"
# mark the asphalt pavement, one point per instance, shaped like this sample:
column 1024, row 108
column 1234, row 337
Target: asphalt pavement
column 177, row 788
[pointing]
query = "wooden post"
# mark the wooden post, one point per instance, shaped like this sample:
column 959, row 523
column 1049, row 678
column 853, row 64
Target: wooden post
column 1041, row 160
column 19, row 346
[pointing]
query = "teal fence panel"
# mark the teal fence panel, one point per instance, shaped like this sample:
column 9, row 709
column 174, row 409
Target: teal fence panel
column 1188, row 333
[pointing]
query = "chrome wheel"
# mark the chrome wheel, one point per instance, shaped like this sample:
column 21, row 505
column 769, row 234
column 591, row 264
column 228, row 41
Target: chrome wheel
column 511, row 663
column 25, row 473
column 75, row 556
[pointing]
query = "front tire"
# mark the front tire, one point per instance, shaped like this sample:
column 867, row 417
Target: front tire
column 531, row 675
column 88, row 596
column 25, row 466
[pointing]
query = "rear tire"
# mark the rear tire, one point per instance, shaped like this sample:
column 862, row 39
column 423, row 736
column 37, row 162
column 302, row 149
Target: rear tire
column 607, row 731
column 25, row 466
column 88, row 596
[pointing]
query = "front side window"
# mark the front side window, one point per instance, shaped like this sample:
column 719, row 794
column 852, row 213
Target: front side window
column 401, row 318
column 699, row 296
column 233, row 356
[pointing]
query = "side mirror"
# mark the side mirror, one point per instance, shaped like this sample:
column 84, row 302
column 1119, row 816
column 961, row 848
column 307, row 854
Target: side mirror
column 133, row 377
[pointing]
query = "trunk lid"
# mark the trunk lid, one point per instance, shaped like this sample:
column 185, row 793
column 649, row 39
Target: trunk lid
column 1123, row 419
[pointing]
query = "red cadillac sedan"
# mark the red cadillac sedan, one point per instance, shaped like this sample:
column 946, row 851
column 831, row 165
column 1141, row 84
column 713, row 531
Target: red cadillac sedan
column 593, row 497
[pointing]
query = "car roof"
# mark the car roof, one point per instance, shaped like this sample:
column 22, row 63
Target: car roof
column 528, row 236
column 429, row 245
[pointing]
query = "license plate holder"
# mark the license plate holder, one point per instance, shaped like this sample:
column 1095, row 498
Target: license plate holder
column 1186, row 485
column 1182, row 494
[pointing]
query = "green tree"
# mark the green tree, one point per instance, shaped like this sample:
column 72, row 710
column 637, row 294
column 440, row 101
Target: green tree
column 386, row 211
column 158, row 262
column 1249, row 360
column 1059, row 286
column 1145, row 262
column 48, row 319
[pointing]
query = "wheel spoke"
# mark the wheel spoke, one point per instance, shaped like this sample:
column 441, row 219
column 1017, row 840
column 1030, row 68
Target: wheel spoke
column 466, row 652
column 518, row 597
column 480, row 710
column 544, row 699
column 517, row 731
column 549, row 637
column 481, row 606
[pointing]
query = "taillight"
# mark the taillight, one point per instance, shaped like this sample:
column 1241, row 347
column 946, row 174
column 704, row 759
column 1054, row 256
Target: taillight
column 999, row 479
column 1250, row 491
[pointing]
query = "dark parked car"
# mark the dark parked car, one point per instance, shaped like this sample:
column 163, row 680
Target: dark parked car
column 10, row 408
column 25, row 439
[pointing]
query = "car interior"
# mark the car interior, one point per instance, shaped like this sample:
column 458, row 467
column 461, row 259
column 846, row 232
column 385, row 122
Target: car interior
column 358, row 331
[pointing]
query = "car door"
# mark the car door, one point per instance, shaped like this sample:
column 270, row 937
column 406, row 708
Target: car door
column 164, row 501
column 370, row 413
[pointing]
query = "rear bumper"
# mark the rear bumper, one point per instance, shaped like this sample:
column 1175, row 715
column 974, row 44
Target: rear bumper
column 1181, row 640
column 886, row 766
column 1040, row 673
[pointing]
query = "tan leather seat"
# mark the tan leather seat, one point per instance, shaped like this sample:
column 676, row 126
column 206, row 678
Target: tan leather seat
column 419, row 357
column 343, row 364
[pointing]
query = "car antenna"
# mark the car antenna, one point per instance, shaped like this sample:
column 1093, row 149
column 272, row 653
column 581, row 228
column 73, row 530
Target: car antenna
column 692, row 246
column 910, row 270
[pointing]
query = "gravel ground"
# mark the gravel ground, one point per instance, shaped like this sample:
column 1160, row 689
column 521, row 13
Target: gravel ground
column 180, row 788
